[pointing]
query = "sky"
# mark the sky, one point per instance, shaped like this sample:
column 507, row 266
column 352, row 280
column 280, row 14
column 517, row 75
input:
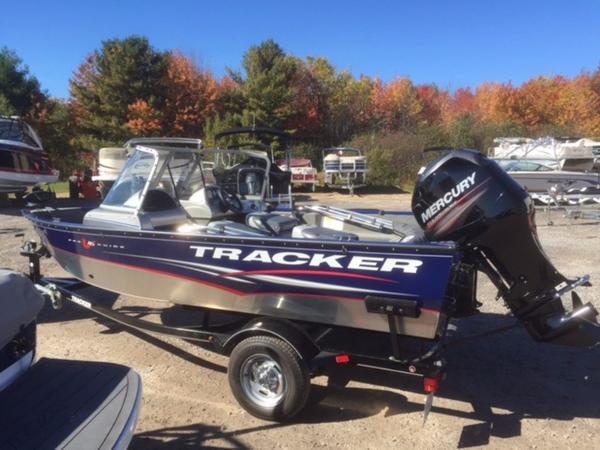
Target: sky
column 451, row 43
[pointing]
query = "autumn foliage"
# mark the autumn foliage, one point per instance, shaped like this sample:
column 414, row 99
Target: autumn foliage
column 314, row 100
column 191, row 96
column 128, row 88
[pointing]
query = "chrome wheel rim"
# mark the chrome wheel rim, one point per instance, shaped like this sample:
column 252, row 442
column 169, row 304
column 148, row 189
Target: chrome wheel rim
column 262, row 380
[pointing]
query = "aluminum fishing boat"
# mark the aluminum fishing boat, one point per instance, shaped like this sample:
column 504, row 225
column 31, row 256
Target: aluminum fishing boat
column 168, row 230
column 23, row 162
column 205, row 228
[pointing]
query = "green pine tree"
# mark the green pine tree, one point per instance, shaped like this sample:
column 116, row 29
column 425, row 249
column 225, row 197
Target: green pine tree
column 114, row 77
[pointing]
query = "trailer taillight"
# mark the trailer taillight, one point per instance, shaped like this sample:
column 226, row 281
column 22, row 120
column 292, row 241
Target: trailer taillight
column 431, row 384
column 342, row 359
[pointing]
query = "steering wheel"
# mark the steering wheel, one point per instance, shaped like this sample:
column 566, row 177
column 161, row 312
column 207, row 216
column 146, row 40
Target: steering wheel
column 231, row 201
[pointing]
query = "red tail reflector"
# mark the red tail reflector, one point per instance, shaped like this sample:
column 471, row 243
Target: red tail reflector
column 342, row 359
column 431, row 385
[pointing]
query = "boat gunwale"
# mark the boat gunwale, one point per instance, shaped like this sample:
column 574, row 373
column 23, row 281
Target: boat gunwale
column 448, row 248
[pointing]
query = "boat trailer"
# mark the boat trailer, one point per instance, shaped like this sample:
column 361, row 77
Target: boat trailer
column 311, row 343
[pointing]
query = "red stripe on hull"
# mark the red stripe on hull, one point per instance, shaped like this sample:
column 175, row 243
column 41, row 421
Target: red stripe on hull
column 322, row 273
column 218, row 286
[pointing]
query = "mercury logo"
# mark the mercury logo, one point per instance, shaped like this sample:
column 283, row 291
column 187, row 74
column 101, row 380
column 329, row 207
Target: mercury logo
column 448, row 198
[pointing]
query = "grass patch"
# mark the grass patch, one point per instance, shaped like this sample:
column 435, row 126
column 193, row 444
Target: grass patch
column 60, row 187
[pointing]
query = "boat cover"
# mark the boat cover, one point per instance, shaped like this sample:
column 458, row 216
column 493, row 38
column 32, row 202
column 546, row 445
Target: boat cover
column 70, row 405
column 20, row 303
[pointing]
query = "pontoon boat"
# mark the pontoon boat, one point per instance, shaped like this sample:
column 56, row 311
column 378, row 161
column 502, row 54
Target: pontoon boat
column 345, row 168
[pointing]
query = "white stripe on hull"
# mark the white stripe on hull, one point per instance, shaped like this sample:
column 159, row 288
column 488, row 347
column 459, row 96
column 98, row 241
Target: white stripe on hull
column 19, row 181
column 295, row 306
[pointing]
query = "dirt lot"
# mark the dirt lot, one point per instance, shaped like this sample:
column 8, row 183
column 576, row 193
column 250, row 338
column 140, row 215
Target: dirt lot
column 506, row 391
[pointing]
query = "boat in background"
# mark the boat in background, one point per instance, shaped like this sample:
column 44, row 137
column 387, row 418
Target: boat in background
column 345, row 168
column 541, row 164
column 538, row 177
column 23, row 162
column 303, row 172
column 110, row 163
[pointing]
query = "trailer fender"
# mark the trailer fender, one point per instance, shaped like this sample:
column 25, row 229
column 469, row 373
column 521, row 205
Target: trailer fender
column 283, row 329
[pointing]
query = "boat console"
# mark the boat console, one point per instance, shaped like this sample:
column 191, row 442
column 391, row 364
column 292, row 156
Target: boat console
column 225, row 192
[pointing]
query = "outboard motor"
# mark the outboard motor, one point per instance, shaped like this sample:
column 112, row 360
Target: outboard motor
column 467, row 198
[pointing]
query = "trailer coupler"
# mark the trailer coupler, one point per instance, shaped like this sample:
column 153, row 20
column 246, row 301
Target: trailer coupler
column 34, row 252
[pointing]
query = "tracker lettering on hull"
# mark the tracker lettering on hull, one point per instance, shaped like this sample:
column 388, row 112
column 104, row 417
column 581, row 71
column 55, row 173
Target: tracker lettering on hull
column 291, row 258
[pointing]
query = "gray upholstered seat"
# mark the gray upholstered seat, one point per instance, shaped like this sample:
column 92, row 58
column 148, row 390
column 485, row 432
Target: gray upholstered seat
column 408, row 226
column 231, row 228
column 270, row 223
column 316, row 232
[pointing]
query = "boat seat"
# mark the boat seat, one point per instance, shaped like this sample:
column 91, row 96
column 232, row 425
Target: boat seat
column 317, row 232
column 231, row 228
column 409, row 227
column 160, row 210
column 273, row 224
column 168, row 219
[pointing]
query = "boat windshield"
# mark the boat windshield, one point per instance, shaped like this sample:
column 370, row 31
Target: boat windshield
column 181, row 174
column 15, row 130
column 185, row 173
column 127, row 190
column 524, row 166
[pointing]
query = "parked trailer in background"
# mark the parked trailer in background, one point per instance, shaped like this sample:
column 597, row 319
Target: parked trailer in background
column 303, row 172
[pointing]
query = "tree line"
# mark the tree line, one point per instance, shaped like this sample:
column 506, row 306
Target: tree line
column 128, row 88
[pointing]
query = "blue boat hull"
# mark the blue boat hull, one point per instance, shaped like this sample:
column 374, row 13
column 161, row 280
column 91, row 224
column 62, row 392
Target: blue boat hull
column 313, row 281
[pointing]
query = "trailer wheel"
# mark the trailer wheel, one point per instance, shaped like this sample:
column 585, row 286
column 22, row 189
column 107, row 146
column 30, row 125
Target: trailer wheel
column 268, row 378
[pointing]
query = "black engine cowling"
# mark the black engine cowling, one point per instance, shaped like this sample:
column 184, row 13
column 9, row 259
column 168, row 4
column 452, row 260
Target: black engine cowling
column 467, row 198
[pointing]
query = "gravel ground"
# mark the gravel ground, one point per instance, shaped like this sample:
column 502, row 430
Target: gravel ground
column 505, row 391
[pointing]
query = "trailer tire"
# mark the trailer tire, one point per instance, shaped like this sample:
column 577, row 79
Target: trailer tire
column 268, row 378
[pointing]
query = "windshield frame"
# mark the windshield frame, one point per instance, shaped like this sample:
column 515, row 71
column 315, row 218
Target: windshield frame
column 163, row 158
column 22, row 133
column 155, row 161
